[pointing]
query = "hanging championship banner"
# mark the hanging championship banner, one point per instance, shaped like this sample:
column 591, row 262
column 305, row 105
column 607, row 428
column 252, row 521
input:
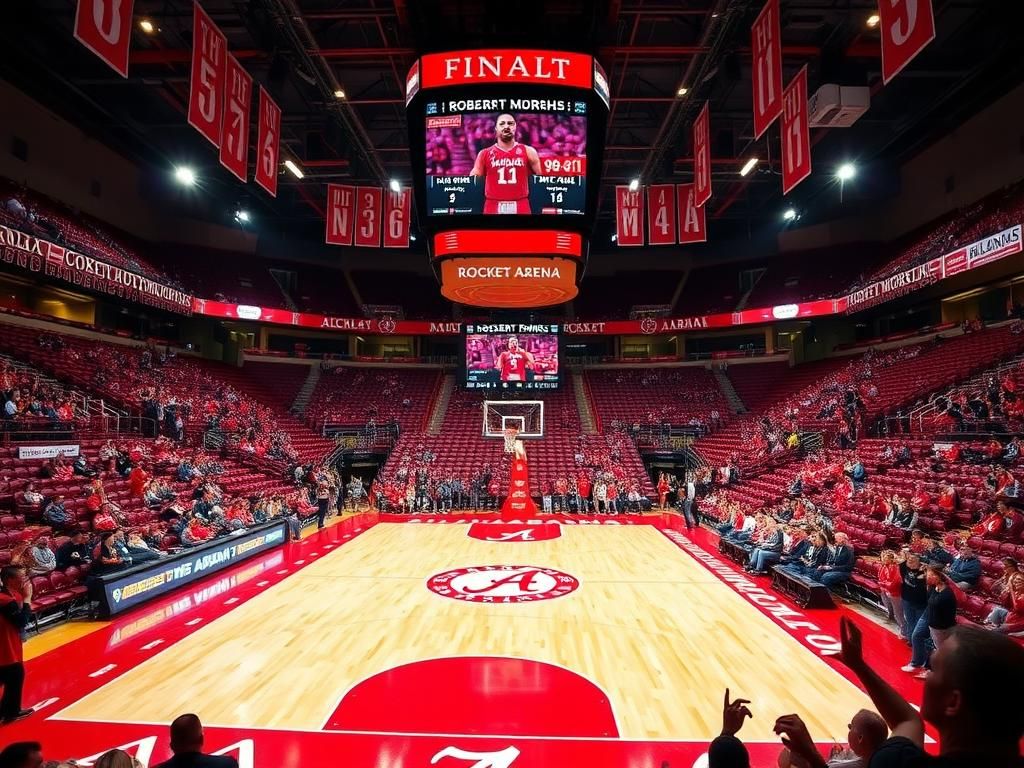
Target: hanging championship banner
column 397, row 215
column 206, row 84
column 234, row 140
column 368, row 204
column 105, row 28
column 766, row 46
column 629, row 222
column 702, row 156
column 906, row 27
column 341, row 203
column 661, row 214
column 692, row 221
column 268, row 143
column 796, row 134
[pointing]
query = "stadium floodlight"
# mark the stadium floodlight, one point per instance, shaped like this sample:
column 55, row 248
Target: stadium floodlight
column 296, row 171
column 873, row 20
column 789, row 214
column 147, row 26
column 395, row 186
column 242, row 215
column 748, row 166
column 634, row 185
column 846, row 171
column 185, row 175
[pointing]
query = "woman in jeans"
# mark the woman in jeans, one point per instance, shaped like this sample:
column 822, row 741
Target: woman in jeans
column 935, row 624
column 913, row 592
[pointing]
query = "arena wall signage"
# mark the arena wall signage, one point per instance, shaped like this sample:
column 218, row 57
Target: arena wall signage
column 985, row 251
column 512, row 133
column 143, row 584
column 47, row 451
column 34, row 254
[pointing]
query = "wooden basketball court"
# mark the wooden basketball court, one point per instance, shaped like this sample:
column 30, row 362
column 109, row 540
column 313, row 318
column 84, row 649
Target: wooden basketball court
column 648, row 626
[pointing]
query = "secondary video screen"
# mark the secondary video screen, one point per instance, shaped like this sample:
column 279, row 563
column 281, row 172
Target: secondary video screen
column 506, row 161
column 511, row 359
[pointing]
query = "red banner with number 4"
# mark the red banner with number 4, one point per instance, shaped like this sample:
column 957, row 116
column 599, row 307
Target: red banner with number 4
column 105, row 28
column 661, row 214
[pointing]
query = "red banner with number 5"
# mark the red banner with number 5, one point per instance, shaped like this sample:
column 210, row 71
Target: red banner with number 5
column 368, row 204
column 268, row 143
column 105, row 28
column 206, row 84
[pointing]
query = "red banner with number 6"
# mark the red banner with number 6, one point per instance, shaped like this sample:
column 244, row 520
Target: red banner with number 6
column 268, row 143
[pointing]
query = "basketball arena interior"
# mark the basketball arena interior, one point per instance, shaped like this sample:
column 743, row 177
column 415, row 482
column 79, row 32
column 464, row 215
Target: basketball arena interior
column 548, row 383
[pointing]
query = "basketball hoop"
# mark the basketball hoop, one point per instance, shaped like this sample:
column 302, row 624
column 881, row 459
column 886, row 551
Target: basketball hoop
column 510, row 434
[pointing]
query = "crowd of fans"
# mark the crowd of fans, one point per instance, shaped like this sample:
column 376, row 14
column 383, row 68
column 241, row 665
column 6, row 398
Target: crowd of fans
column 30, row 402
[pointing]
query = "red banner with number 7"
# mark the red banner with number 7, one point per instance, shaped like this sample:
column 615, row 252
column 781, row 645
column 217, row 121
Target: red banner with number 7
column 368, row 204
column 268, row 143
column 105, row 28
column 661, row 214
column 234, row 137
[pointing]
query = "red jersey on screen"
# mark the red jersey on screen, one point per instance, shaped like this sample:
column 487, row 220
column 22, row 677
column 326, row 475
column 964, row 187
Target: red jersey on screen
column 506, row 173
column 513, row 366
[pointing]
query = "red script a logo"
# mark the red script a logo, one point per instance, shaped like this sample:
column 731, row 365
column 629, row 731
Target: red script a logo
column 503, row 584
column 513, row 532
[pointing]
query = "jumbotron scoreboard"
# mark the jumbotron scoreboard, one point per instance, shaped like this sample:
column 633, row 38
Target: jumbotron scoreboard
column 507, row 148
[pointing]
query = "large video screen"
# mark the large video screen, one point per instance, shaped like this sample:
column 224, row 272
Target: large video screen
column 512, row 356
column 520, row 157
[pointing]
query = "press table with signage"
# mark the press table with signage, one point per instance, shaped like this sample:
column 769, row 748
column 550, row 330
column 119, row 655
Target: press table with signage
column 121, row 590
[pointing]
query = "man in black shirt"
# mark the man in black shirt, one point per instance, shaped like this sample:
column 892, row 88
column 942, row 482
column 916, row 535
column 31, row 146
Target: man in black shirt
column 187, row 746
column 970, row 698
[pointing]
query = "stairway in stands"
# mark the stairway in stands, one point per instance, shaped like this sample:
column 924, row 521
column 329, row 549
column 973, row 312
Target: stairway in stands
column 732, row 397
column 440, row 407
column 306, row 391
column 587, row 421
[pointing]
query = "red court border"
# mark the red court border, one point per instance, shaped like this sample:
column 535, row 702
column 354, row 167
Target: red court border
column 149, row 629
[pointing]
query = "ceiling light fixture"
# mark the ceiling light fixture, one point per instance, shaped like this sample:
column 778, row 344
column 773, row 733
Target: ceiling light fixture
column 185, row 175
column 296, row 171
column 634, row 185
column 147, row 26
column 789, row 214
column 873, row 20
column 339, row 94
column 395, row 186
column 748, row 166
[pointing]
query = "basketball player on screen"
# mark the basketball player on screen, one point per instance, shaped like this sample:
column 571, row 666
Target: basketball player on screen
column 513, row 362
column 506, row 167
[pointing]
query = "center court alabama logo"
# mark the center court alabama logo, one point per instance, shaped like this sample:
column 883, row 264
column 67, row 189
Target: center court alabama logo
column 513, row 533
column 502, row 584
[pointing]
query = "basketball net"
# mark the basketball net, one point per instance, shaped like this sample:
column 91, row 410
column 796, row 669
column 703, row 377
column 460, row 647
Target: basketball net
column 510, row 434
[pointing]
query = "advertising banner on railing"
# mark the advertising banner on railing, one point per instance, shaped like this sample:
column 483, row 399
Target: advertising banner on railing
column 34, row 254
column 47, row 451
column 977, row 254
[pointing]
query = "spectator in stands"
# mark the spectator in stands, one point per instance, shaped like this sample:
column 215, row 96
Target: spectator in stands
column 137, row 479
column 769, row 551
column 40, row 559
column 187, row 746
column 81, row 467
column 932, row 553
column 15, row 614
column 854, row 469
column 109, row 559
column 117, row 758
column 965, row 570
column 74, row 551
column 815, row 556
column 140, row 550
column 31, row 496
column 867, row 732
column 901, row 514
column 934, row 626
column 56, row 515
column 1008, row 589
column 22, row 754
column 948, row 500
column 838, row 566
column 890, row 584
column 913, row 592
column 964, row 698
column 796, row 544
